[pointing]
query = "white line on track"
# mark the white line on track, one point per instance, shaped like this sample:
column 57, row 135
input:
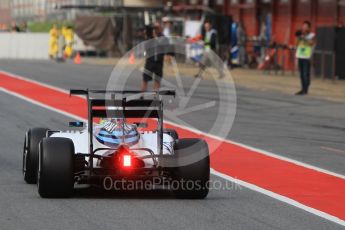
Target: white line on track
column 333, row 149
column 214, row 172
column 263, row 152
column 280, row 198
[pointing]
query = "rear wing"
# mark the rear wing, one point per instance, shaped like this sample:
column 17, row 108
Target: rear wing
column 125, row 107
column 166, row 92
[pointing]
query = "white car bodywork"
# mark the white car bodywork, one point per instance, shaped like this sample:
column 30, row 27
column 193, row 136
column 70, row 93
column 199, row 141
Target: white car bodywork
column 148, row 139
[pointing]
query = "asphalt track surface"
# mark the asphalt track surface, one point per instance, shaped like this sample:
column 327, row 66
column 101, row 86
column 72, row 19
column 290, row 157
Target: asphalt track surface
column 304, row 129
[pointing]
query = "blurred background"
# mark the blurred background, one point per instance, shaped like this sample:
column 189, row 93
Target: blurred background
column 252, row 34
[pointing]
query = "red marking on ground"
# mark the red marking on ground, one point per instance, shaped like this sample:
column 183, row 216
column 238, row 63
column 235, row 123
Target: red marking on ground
column 315, row 189
column 51, row 97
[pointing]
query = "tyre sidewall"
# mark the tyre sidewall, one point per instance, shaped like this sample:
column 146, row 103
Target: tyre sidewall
column 56, row 167
column 196, row 171
column 30, row 159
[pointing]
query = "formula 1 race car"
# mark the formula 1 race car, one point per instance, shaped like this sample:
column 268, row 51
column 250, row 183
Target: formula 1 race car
column 115, row 147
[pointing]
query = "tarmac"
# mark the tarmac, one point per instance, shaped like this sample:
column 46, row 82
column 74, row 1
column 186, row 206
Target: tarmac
column 307, row 129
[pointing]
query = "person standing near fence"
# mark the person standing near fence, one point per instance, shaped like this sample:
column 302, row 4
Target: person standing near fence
column 68, row 35
column 210, row 44
column 155, row 49
column 304, row 53
column 54, row 42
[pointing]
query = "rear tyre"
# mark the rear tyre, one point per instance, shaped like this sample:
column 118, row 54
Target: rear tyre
column 30, row 153
column 56, row 167
column 192, row 173
column 172, row 133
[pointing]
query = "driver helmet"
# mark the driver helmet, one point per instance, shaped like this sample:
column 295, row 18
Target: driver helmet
column 113, row 132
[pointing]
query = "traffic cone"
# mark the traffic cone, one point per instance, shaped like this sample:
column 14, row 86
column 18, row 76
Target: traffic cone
column 77, row 59
column 132, row 58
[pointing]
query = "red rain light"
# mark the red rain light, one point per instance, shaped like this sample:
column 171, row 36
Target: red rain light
column 126, row 160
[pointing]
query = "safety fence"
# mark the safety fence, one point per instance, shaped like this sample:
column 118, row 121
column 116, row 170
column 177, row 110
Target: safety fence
column 32, row 45
column 24, row 45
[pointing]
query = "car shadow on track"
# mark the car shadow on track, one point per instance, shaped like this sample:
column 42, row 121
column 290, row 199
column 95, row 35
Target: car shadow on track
column 155, row 194
column 97, row 193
